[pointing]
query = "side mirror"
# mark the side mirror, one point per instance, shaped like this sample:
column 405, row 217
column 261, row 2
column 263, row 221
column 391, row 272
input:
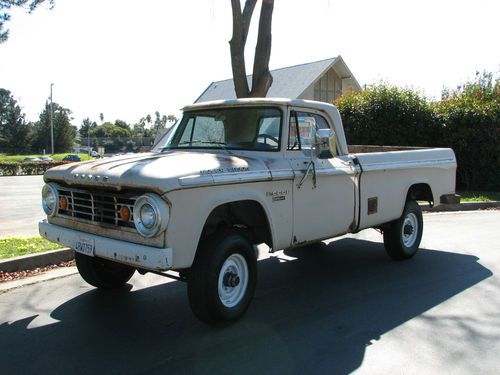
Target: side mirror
column 326, row 143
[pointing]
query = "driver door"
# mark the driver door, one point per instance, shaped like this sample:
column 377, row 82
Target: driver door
column 323, row 189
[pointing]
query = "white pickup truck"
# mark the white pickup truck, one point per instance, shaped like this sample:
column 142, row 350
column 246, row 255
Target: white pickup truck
column 231, row 175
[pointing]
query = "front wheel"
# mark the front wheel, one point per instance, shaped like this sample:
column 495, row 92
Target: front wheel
column 222, row 280
column 103, row 273
column 402, row 236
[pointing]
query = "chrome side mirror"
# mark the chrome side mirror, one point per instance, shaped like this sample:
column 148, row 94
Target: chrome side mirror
column 326, row 144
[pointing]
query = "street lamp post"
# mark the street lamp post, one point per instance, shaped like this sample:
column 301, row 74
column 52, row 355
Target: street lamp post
column 51, row 120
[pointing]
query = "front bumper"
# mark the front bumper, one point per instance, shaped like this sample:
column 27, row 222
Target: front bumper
column 135, row 255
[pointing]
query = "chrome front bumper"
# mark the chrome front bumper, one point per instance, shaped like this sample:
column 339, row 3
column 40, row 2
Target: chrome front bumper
column 135, row 255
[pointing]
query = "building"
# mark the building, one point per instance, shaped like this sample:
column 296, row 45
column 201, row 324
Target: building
column 323, row 80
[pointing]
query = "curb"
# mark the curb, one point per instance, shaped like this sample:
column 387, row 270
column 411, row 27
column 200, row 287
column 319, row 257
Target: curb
column 467, row 206
column 48, row 258
column 32, row 261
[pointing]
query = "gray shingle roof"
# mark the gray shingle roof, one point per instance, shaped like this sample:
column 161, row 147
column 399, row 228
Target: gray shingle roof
column 288, row 82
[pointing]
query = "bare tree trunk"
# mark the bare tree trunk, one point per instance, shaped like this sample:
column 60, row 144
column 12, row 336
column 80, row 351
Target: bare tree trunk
column 241, row 24
column 262, row 78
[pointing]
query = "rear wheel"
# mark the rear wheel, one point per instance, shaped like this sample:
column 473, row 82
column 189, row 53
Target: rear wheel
column 222, row 280
column 103, row 273
column 402, row 236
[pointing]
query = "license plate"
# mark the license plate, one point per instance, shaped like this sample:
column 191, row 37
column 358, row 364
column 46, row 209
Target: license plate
column 85, row 246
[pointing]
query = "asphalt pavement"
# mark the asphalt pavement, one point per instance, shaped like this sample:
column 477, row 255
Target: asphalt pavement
column 20, row 205
column 338, row 308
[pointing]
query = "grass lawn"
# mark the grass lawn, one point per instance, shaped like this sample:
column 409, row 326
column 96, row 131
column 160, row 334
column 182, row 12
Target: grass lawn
column 5, row 157
column 16, row 246
column 479, row 196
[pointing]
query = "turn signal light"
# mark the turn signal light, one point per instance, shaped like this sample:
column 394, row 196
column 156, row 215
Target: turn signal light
column 63, row 203
column 124, row 213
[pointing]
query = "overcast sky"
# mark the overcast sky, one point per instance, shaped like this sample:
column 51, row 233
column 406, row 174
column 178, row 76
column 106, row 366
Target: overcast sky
column 129, row 58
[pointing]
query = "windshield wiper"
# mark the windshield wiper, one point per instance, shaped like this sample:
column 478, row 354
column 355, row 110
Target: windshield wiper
column 222, row 145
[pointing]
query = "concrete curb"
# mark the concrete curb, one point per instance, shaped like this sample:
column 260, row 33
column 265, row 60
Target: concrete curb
column 466, row 206
column 27, row 262
column 32, row 261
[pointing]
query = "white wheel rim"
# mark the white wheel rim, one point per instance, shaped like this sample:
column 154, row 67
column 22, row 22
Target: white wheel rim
column 234, row 266
column 409, row 231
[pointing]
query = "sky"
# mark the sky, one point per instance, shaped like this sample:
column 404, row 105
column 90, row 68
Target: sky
column 127, row 59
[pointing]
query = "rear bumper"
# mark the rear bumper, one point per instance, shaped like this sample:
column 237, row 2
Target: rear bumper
column 135, row 255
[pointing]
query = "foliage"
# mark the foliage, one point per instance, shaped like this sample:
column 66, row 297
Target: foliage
column 390, row 116
column 5, row 7
column 110, row 130
column 87, row 127
column 56, row 157
column 64, row 132
column 9, row 168
column 479, row 196
column 470, row 116
column 466, row 119
column 15, row 246
column 13, row 128
column 28, row 168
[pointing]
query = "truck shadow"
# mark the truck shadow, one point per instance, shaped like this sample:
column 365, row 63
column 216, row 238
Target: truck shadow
column 315, row 311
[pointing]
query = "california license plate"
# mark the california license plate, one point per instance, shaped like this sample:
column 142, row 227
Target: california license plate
column 85, row 246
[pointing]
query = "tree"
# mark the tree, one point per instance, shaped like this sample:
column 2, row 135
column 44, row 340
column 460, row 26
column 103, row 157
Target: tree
column 85, row 131
column 122, row 124
column 471, row 124
column 261, row 78
column 110, row 130
column 6, row 5
column 13, row 128
column 87, row 127
column 64, row 132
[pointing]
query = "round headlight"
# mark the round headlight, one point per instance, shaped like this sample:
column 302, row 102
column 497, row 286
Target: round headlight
column 148, row 215
column 50, row 199
column 151, row 215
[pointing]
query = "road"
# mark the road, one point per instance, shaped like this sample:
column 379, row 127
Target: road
column 20, row 205
column 338, row 308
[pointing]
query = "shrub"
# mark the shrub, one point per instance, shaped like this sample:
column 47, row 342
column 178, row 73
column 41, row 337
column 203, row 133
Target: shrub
column 390, row 116
column 471, row 123
column 466, row 119
column 17, row 168
column 9, row 168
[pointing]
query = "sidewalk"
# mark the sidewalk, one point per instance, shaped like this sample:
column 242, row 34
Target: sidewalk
column 39, row 260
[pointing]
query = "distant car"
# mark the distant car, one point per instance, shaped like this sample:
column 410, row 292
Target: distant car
column 46, row 158
column 31, row 159
column 95, row 154
column 72, row 157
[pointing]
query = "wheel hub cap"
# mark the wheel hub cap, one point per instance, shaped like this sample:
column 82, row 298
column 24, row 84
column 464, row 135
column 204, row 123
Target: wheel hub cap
column 410, row 229
column 231, row 279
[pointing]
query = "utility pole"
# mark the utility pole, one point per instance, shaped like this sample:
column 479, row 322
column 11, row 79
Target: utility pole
column 51, row 120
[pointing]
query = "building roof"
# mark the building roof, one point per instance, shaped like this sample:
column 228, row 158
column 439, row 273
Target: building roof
column 289, row 82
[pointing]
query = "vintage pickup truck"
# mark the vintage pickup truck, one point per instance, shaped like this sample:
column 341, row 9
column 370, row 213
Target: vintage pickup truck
column 231, row 175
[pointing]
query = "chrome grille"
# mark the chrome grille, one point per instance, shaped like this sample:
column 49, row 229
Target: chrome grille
column 97, row 206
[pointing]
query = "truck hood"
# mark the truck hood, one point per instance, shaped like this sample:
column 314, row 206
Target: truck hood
column 160, row 172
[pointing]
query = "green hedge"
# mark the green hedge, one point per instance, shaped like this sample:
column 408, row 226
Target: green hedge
column 18, row 168
column 388, row 116
column 466, row 119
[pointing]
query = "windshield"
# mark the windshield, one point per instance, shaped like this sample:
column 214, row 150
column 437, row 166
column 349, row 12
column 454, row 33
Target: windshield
column 251, row 128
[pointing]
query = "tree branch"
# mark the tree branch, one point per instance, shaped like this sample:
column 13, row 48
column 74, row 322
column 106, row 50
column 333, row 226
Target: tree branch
column 241, row 25
column 262, row 78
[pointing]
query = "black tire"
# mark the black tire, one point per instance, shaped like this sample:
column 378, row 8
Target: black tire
column 103, row 273
column 220, row 289
column 402, row 236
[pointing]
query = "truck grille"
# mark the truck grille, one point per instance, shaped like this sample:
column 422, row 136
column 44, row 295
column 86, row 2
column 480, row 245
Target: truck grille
column 96, row 206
